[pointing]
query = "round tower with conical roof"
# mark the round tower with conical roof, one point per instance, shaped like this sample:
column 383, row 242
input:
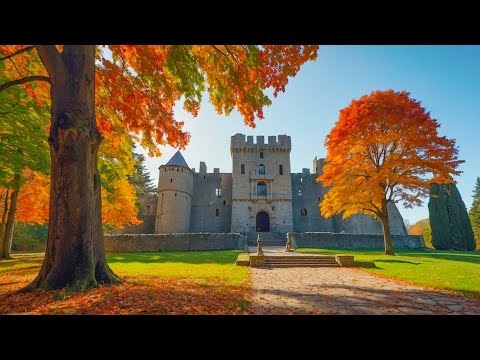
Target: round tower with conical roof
column 175, row 188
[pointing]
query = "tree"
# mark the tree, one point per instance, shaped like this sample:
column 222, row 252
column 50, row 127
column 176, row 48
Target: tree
column 475, row 210
column 422, row 227
column 451, row 227
column 25, row 164
column 23, row 145
column 141, row 178
column 384, row 148
column 134, row 91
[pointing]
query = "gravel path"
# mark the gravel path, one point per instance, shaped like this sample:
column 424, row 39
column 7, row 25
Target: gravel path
column 346, row 291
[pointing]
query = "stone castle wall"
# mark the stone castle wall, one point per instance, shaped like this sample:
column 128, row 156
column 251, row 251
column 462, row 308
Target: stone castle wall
column 322, row 240
column 173, row 242
column 211, row 202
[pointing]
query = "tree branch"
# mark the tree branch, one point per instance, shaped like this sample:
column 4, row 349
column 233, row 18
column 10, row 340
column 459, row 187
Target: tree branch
column 51, row 59
column 28, row 48
column 23, row 81
column 220, row 51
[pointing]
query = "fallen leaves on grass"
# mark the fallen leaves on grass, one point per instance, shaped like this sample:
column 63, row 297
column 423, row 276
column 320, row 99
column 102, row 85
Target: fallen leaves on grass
column 139, row 295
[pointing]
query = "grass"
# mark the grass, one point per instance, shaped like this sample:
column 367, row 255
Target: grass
column 203, row 282
column 449, row 270
column 243, row 259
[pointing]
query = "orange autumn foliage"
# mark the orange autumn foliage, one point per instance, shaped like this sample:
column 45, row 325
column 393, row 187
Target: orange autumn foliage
column 384, row 147
column 118, row 207
column 137, row 86
column 33, row 198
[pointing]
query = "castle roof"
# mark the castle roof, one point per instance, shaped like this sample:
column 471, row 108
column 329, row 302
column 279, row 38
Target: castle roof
column 178, row 160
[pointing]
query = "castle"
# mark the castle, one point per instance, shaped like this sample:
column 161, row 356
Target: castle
column 260, row 195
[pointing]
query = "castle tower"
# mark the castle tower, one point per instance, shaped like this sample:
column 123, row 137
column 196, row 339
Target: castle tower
column 261, row 184
column 175, row 188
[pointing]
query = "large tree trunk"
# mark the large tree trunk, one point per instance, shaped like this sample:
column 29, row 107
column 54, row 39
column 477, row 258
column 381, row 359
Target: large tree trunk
column 12, row 213
column 387, row 237
column 3, row 225
column 75, row 256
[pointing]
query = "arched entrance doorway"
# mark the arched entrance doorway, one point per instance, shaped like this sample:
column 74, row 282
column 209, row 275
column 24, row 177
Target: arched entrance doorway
column 263, row 222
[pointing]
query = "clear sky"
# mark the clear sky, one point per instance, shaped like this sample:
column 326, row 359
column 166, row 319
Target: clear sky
column 446, row 79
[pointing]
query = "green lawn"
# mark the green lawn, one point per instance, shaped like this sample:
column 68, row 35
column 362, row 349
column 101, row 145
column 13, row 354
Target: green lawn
column 451, row 270
column 199, row 266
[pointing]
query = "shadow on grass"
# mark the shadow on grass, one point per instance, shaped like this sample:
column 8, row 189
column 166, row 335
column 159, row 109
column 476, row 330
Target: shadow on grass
column 473, row 257
column 398, row 261
column 365, row 264
column 194, row 257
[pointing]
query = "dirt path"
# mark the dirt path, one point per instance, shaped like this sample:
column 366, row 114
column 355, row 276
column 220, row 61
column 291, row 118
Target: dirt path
column 346, row 291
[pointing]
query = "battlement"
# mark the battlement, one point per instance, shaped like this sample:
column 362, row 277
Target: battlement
column 203, row 169
column 317, row 168
column 238, row 142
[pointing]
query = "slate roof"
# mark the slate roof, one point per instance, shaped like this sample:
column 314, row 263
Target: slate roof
column 178, row 160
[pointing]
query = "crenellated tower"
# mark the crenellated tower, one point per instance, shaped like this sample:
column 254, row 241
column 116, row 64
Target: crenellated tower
column 261, row 184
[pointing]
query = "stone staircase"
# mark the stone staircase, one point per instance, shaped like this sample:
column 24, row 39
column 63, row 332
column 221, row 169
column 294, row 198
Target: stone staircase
column 301, row 261
column 268, row 239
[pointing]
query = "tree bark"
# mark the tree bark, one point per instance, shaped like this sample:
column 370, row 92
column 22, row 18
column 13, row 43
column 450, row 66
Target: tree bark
column 12, row 213
column 3, row 226
column 387, row 237
column 75, row 255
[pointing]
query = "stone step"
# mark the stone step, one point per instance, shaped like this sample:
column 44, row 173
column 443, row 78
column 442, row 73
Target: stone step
column 300, row 258
column 302, row 265
column 299, row 263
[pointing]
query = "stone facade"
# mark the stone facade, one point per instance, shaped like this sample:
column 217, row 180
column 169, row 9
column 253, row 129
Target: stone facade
column 260, row 195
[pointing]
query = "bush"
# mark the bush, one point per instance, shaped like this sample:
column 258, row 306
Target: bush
column 29, row 237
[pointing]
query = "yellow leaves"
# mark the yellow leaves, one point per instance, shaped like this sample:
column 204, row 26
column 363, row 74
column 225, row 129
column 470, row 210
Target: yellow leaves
column 118, row 207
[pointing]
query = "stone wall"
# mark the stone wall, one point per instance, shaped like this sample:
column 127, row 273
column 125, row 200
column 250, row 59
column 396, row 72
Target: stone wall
column 307, row 195
column 173, row 242
column 354, row 241
column 211, row 192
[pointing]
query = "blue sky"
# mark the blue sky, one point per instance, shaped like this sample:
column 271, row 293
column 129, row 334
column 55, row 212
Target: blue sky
column 446, row 79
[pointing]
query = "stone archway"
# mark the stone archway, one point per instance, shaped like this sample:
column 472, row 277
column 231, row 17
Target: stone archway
column 263, row 222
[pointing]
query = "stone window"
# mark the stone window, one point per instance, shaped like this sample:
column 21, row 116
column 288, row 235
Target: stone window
column 177, row 169
column 218, row 192
column 261, row 154
column 217, row 212
column 224, row 202
column 171, row 180
column 242, row 169
column 299, row 192
column 303, row 212
column 175, row 194
column 261, row 189
column 280, row 169
column 261, row 169
column 319, row 199
column 148, row 209
column 301, row 180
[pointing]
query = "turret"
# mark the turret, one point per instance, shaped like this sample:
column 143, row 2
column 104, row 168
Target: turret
column 175, row 188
